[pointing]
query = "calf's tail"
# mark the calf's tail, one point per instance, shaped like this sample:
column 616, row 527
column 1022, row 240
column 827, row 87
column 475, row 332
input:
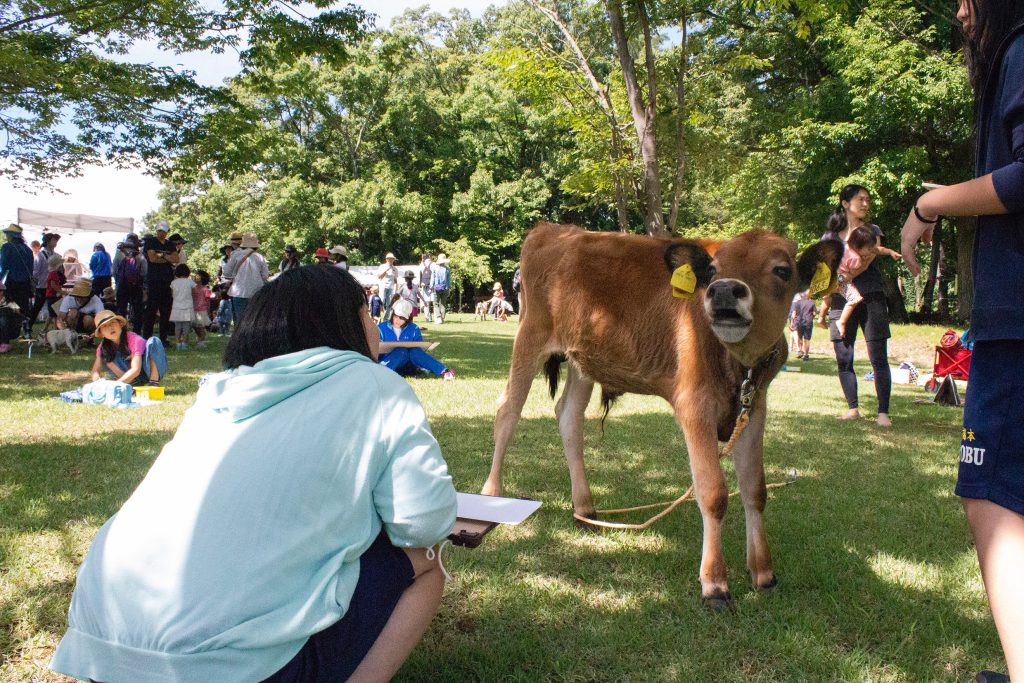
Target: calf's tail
column 553, row 368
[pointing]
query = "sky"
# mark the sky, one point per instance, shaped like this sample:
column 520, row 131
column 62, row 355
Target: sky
column 129, row 192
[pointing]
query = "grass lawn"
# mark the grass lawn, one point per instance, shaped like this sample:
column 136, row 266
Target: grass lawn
column 877, row 575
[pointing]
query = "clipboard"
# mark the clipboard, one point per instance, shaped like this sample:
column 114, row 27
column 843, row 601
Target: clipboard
column 477, row 515
column 388, row 346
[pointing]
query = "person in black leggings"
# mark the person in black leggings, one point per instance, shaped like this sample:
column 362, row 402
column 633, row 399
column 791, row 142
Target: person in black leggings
column 871, row 316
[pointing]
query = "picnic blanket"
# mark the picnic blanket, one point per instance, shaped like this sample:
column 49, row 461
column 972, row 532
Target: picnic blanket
column 105, row 392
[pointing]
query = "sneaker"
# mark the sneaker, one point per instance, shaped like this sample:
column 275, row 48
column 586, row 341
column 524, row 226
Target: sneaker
column 448, row 375
column 4, row 348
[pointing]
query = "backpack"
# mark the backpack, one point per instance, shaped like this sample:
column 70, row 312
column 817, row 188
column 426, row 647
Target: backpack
column 129, row 273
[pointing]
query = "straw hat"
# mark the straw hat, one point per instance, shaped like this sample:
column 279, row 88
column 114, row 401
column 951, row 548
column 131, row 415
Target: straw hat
column 402, row 308
column 235, row 236
column 389, row 256
column 13, row 228
column 322, row 253
column 83, row 287
column 108, row 294
column 55, row 262
column 497, row 286
column 250, row 241
column 339, row 250
column 104, row 317
column 441, row 259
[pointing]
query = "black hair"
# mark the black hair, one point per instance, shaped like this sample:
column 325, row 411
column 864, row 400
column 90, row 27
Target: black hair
column 99, row 247
column 861, row 237
column 837, row 221
column 108, row 349
column 181, row 270
column 204, row 277
column 302, row 308
column 991, row 21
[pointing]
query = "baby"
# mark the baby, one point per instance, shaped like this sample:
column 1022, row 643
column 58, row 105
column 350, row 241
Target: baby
column 861, row 250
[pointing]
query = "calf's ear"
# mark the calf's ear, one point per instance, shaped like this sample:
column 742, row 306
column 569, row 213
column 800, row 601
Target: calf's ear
column 689, row 266
column 816, row 267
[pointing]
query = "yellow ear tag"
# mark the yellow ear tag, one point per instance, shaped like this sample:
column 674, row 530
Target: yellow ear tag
column 684, row 281
column 821, row 280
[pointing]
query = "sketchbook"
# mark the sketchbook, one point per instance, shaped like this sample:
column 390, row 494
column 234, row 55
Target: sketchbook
column 477, row 515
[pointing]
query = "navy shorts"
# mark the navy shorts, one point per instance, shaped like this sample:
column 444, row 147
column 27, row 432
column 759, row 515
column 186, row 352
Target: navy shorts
column 805, row 330
column 992, row 449
column 333, row 654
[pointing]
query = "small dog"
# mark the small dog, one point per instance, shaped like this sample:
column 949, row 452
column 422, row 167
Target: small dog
column 481, row 309
column 56, row 338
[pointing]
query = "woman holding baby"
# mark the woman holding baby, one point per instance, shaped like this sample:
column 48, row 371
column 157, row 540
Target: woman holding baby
column 861, row 280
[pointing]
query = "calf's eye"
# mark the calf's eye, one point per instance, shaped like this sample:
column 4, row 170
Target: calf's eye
column 783, row 272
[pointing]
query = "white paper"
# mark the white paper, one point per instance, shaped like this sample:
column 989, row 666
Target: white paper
column 495, row 508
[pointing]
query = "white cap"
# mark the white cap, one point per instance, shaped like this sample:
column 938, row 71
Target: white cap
column 338, row 250
column 402, row 308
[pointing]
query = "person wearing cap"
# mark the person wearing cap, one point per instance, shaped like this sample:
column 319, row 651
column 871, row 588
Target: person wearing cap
column 126, row 356
column 440, row 285
column 287, row 532
column 78, row 308
column 16, row 267
column 340, row 255
column 387, row 273
column 130, row 269
column 179, row 243
column 40, row 271
column 101, row 268
column 408, row 361
column 11, row 320
column 161, row 257
column 321, row 256
column 248, row 272
column 291, row 259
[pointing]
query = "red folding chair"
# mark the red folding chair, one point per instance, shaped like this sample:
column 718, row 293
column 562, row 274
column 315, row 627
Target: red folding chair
column 952, row 359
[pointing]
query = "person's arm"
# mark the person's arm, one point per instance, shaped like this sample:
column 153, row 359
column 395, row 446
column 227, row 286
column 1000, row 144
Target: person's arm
column 414, row 495
column 97, row 367
column 228, row 271
column 976, row 197
column 132, row 372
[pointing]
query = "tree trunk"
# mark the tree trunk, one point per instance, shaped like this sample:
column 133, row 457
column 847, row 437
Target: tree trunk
column 965, row 229
column 684, row 64
column 643, row 112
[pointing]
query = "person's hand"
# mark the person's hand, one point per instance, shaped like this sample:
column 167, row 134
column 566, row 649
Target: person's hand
column 914, row 230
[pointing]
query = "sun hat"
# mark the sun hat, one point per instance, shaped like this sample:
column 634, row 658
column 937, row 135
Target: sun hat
column 104, row 317
column 389, row 255
column 250, row 241
column 49, row 235
column 441, row 259
column 322, row 252
column 55, row 262
column 108, row 293
column 402, row 309
column 177, row 238
column 497, row 285
column 235, row 236
column 409, row 275
column 339, row 250
column 83, row 287
column 13, row 228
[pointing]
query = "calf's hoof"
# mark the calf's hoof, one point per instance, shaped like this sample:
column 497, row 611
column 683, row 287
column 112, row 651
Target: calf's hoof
column 717, row 601
column 766, row 585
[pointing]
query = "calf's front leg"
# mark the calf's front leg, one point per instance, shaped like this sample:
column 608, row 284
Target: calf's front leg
column 748, row 456
column 712, row 497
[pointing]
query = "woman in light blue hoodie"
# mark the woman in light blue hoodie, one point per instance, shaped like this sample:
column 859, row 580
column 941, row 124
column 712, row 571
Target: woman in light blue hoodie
column 283, row 534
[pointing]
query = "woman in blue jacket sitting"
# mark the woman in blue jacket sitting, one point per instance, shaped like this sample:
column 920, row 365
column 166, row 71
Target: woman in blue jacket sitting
column 286, row 532
column 408, row 361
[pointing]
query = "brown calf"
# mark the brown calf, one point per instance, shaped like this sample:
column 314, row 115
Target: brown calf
column 604, row 302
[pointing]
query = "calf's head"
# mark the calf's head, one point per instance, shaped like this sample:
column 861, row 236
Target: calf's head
column 749, row 284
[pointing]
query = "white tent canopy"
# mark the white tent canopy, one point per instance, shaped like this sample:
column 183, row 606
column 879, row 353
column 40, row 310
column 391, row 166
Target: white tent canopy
column 74, row 221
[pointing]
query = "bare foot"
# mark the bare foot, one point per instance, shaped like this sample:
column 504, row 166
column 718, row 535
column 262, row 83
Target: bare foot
column 883, row 420
column 851, row 414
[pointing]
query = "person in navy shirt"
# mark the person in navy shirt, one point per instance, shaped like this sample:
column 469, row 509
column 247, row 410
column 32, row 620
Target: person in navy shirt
column 991, row 478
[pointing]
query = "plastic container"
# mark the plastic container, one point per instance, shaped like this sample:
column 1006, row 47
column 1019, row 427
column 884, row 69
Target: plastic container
column 151, row 393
